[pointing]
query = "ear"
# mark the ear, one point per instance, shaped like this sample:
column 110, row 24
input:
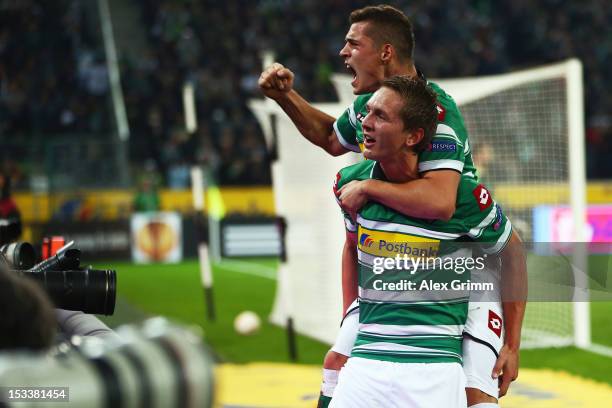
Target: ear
column 386, row 53
column 414, row 138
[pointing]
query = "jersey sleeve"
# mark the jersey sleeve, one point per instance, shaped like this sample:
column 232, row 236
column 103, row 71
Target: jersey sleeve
column 481, row 217
column 446, row 151
column 349, row 223
column 345, row 128
column 494, row 232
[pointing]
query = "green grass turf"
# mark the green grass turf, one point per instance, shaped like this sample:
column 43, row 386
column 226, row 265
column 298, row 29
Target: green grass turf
column 601, row 324
column 571, row 360
column 175, row 291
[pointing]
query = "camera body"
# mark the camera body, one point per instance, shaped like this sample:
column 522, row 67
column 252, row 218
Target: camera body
column 156, row 364
column 10, row 229
column 70, row 286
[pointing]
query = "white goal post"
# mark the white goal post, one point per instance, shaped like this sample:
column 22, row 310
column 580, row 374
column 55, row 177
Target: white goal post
column 527, row 133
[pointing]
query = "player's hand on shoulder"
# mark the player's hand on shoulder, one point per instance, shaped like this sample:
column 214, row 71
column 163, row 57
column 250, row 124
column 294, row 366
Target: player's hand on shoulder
column 353, row 196
column 276, row 80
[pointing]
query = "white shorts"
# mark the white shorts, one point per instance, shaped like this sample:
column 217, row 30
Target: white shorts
column 382, row 384
column 345, row 340
column 482, row 341
column 478, row 363
column 485, row 324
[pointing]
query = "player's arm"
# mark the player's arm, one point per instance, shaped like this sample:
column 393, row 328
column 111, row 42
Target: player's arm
column 350, row 282
column 514, row 295
column 431, row 197
column 276, row 82
column 349, row 270
column 499, row 238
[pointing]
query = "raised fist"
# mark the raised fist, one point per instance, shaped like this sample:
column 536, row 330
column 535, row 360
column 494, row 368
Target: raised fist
column 276, row 81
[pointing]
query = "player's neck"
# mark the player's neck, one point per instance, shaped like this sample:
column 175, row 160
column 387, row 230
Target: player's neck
column 395, row 68
column 401, row 168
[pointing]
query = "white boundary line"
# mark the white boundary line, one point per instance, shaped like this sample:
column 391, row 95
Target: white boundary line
column 248, row 268
column 599, row 349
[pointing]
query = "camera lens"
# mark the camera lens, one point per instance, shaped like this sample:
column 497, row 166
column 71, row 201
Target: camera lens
column 88, row 290
column 20, row 255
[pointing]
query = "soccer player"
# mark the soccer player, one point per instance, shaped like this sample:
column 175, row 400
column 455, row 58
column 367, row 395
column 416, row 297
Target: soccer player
column 380, row 44
column 409, row 344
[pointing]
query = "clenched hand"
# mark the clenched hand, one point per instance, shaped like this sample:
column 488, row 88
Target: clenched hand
column 276, row 81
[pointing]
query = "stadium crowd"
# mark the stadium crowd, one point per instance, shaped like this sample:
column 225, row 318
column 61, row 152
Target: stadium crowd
column 54, row 79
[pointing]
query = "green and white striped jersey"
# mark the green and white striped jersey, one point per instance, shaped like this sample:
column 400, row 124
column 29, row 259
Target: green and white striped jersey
column 449, row 149
column 404, row 323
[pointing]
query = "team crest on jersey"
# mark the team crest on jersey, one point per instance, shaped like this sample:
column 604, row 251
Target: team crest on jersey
column 495, row 323
column 441, row 112
column 482, row 196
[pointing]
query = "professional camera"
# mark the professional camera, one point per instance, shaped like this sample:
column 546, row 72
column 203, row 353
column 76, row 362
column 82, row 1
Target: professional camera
column 10, row 229
column 69, row 286
column 157, row 364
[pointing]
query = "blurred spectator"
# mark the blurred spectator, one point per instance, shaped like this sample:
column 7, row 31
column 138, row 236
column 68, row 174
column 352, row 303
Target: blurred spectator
column 8, row 207
column 147, row 196
column 307, row 36
column 233, row 165
column 599, row 146
column 178, row 175
column 205, row 153
column 46, row 46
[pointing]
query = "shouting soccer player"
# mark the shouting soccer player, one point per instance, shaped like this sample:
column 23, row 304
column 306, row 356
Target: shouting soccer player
column 379, row 44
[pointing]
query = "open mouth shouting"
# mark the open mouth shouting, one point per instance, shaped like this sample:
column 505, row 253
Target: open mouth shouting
column 352, row 71
column 368, row 141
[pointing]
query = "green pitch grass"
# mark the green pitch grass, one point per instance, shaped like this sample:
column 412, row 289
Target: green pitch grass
column 175, row 292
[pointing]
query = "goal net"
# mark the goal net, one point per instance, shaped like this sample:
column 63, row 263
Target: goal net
column 526, row 133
